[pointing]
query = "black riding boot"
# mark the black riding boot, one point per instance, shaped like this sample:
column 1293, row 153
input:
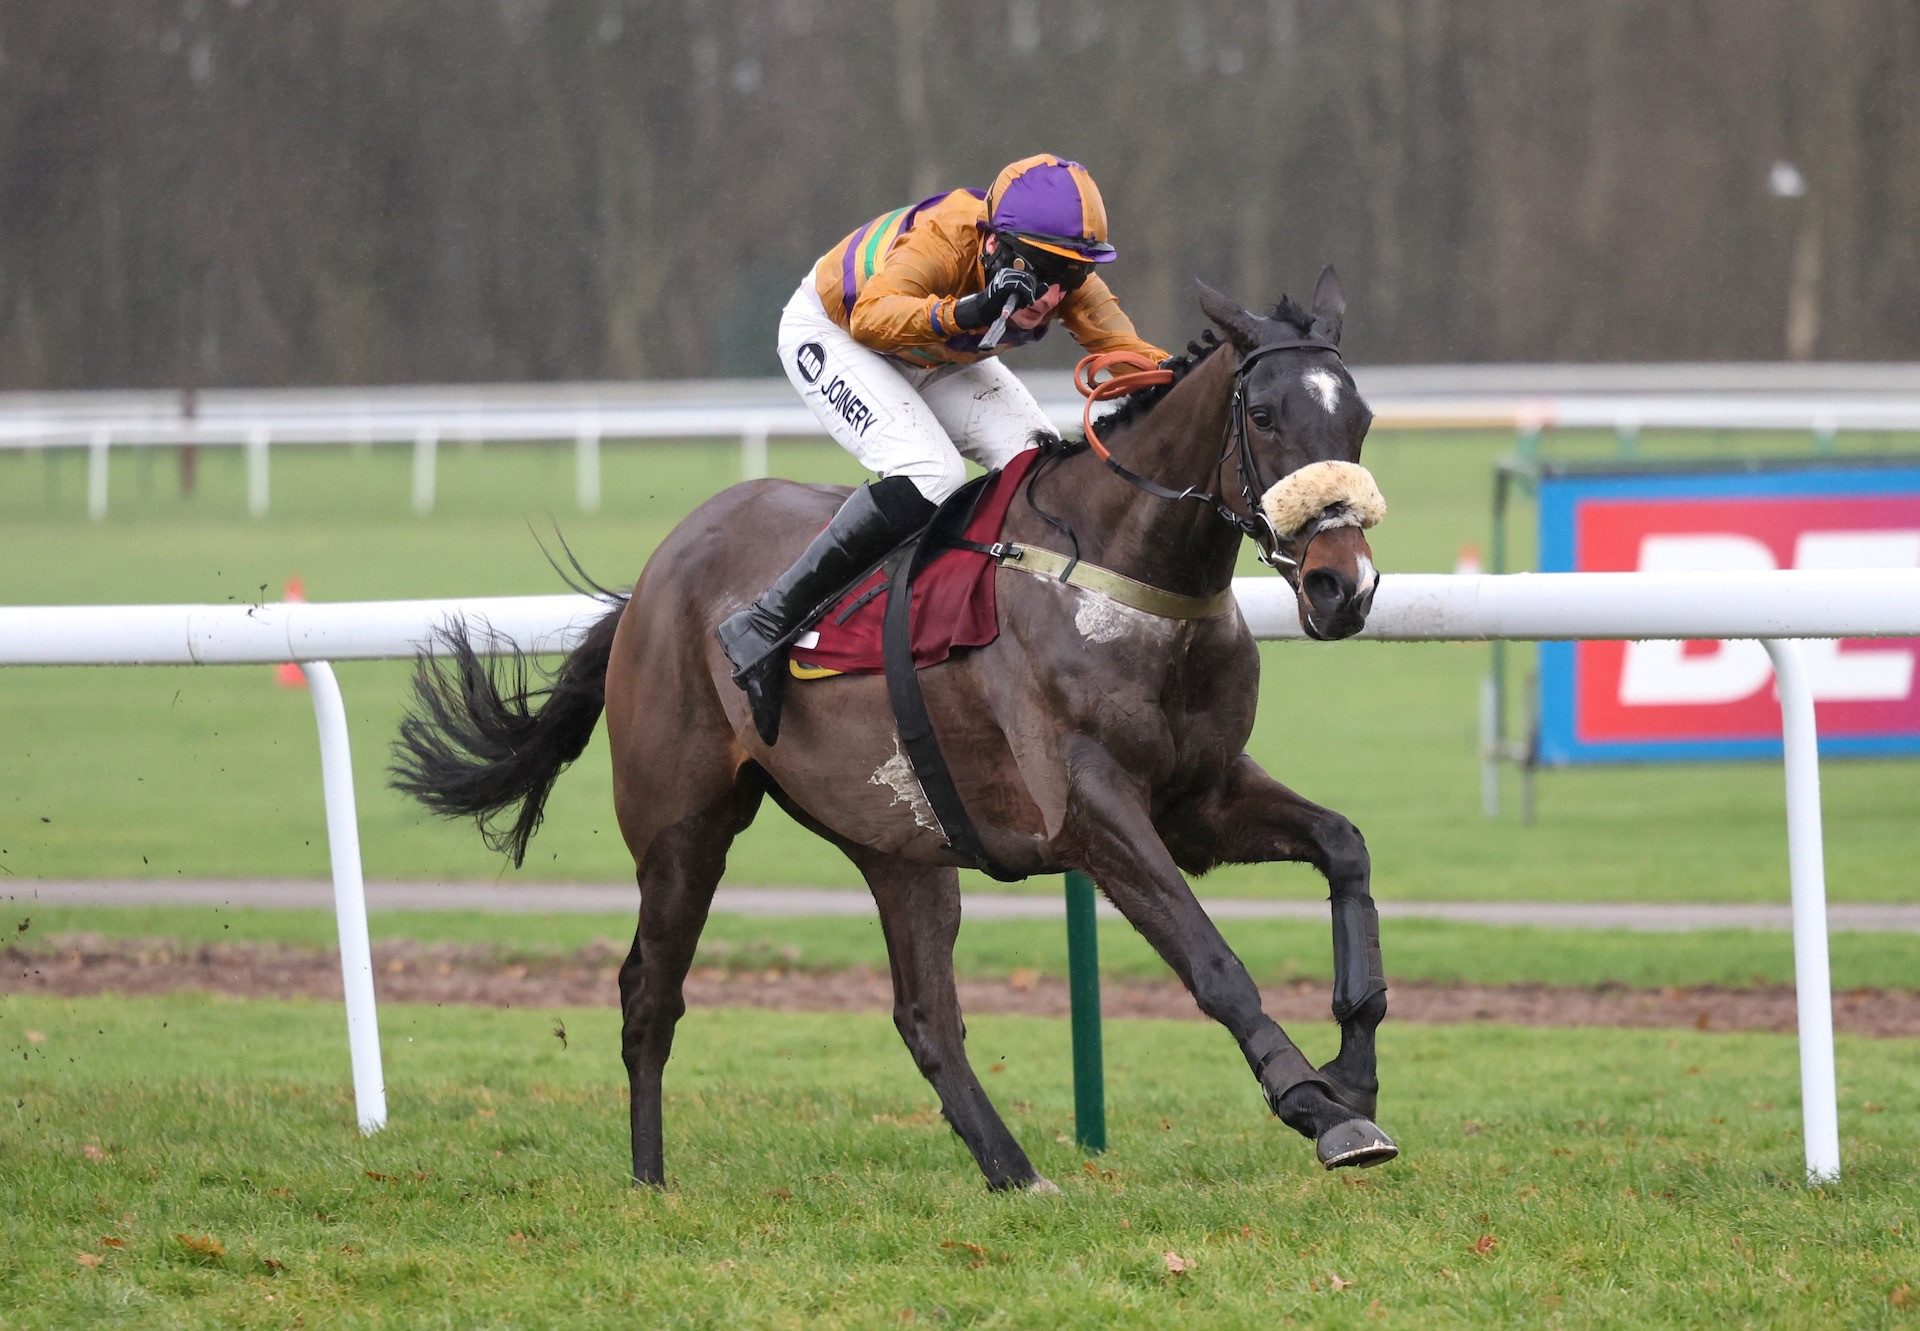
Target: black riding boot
column 874, row 519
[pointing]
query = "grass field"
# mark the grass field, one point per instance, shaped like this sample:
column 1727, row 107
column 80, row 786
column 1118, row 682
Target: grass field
column 213, row 772
column 192, row 1162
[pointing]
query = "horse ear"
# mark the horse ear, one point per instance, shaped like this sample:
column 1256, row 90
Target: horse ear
column 1329, row 306
column 1242, row 328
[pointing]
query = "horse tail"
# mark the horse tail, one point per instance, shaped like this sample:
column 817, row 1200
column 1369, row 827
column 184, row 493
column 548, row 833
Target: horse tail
column 483, row 738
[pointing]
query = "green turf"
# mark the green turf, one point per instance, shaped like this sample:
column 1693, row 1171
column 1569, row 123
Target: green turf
column 1273, row 950
column 203, row 1152
column 212, row 772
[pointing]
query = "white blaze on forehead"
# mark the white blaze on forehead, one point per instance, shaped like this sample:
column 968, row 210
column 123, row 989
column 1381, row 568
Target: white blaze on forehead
column 1325, row 387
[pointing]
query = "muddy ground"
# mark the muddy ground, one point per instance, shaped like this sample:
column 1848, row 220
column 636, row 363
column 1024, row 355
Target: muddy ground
column 412, row 972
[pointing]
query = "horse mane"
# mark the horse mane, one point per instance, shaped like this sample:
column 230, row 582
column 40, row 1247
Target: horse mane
column 1136, row 405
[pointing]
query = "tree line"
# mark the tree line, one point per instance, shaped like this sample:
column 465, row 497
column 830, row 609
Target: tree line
column 223, row 192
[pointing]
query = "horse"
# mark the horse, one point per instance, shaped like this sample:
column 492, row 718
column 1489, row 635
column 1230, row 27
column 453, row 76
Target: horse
column 1089, row 735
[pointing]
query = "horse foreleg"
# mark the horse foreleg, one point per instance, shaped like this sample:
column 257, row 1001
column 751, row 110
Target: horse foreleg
column 920, row 915
column 1108, row 817
column 1253, row 819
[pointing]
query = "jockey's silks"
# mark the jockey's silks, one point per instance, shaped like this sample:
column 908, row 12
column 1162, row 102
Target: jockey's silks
column 893, row 284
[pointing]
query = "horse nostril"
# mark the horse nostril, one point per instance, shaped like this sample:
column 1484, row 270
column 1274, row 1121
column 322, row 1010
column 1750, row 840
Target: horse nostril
column 1326, row 590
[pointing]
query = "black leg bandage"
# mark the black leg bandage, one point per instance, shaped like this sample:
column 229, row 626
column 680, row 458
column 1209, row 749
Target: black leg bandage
column 1278, row 1065
column 1358, row 976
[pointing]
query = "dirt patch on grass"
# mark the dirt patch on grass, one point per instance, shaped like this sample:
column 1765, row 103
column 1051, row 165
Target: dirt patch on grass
column 411, row 972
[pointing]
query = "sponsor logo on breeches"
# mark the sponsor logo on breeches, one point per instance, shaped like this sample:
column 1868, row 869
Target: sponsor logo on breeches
column 841, row 397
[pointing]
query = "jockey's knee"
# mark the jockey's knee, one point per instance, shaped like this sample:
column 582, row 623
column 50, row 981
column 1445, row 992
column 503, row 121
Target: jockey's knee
column 935, row 477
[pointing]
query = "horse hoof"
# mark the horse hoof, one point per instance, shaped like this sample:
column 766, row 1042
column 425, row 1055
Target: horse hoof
column 1356, row 1143
column 1044, row 1186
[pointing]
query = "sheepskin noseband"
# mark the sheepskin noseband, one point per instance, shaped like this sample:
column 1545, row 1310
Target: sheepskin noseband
column 1305, row 495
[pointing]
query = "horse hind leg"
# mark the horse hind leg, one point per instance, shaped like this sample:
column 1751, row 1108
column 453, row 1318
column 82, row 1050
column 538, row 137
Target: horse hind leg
column 920, row 915
column 681, row 868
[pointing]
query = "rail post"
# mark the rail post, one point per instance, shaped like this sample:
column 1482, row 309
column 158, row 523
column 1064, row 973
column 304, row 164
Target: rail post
column 258, row 493
column 1083, row 985
column 426, row 451
column 1807, row 884
column 586, row 468
column 97, row 448
column 349, row 897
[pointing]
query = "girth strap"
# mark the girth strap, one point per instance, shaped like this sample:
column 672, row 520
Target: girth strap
column 917, row 739
column 1114, row 586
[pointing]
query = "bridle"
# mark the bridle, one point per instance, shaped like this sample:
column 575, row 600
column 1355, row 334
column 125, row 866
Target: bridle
column 1286, row 554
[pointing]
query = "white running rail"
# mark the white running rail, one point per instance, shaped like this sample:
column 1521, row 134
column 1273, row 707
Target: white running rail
column 754, row 412
column 1773, row 607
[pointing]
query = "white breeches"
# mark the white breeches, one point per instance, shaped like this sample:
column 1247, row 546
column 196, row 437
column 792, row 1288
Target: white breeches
column 901, row 421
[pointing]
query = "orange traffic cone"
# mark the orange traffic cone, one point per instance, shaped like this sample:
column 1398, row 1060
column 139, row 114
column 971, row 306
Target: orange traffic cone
column 1469, row 560
column 288, row 675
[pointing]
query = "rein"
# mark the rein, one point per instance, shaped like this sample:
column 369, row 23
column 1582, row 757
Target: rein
column 1141, row 373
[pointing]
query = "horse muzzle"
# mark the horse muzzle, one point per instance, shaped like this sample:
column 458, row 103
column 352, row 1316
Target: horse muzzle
column 1321, row 512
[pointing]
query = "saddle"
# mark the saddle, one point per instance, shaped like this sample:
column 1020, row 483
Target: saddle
column 953, row 588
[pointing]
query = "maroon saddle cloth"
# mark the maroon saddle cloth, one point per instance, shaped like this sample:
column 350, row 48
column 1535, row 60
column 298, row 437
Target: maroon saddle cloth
column 953, row 602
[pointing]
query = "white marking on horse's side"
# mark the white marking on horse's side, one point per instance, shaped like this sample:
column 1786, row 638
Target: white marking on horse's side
column 1101, row 619
column 1325, row 387
column 896, row 773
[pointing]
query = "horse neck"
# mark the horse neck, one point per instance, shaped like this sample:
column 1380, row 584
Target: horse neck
column 1181, row 545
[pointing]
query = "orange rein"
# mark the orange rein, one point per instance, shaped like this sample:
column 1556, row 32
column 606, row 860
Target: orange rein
column 1142, row 373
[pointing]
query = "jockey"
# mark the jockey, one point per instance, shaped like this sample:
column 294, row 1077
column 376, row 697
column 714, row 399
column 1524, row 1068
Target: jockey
column 893, row 340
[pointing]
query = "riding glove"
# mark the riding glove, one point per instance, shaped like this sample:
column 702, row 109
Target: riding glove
column 1008, row 290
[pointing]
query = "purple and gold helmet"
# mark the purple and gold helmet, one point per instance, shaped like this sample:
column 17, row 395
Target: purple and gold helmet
column 1051, row 205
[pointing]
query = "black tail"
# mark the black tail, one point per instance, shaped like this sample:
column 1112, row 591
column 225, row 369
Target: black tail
column 482, row 738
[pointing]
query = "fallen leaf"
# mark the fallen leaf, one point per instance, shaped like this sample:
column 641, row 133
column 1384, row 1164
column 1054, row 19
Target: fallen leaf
column 1023, row 978
column 203, row 1246
column 1869, row 1107
column 1701, row 1022
column 273, row 1264
column 1176, row 1264
column 1336, row 1284
column 378, row 1177
column 109, row 1241
column 36, row 1037
column 1484, row 1245
column 953, row 1245
column 781, row 1194
column 87, row 1259
column 1901, row 1296
column 93, row 1152
column 996, row 1067
column 1470, row 1129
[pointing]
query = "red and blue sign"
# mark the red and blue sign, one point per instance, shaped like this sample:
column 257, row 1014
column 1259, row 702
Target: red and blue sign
column 1653, row 701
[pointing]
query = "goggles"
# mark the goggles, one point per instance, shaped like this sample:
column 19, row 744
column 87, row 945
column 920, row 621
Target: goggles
column 1053, row 268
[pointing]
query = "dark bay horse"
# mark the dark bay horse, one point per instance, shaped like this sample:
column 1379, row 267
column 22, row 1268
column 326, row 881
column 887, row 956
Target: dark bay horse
column 1090, row 735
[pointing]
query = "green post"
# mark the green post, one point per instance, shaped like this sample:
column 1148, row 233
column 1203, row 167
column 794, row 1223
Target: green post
column 1083, row 984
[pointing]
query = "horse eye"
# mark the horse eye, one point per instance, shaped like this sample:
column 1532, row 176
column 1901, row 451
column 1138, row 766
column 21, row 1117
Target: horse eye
column 1261, row 417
